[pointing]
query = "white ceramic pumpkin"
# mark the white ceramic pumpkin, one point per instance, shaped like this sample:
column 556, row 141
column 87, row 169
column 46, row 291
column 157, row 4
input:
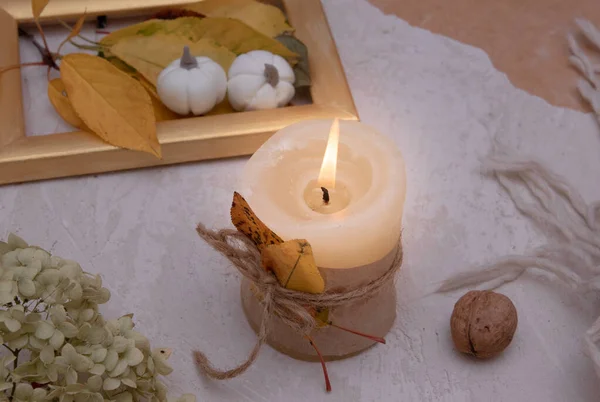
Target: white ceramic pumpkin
column 260, row 80
column 192, row 84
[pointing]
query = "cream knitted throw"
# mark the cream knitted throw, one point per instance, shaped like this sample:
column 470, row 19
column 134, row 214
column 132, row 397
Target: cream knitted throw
column 572, row 256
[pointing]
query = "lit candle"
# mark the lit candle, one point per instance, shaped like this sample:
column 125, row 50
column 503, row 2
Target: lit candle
column 339, row 186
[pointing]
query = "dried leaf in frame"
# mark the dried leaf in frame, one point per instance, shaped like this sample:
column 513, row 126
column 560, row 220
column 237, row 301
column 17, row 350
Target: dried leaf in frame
column 74, row 32
column 37, row 7
column 233, row 34
column 265, row 18
column 58, row 97
column 240, row 38
column 112, row 104
column 149, row 55
column 302, row 68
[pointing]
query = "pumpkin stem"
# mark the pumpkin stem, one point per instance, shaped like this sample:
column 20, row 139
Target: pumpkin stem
column 271, row 74
column 187, row 60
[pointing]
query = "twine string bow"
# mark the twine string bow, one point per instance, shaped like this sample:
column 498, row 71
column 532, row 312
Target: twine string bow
column 288, row 305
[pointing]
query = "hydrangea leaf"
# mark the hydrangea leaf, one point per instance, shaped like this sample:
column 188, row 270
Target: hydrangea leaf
column 129, row 382
column 134, row 357
column 119, row 368
column 99, row 354
column 111, row 384
column 47, row 354
column 98, row 369
column 71, row 376
column 57, row 340
column 82, row 363
column 15, row 241
column 44, row 330
column 112, row 358
column 69, row 330
column 26, row 287
column 12, row 324
column 95, row 383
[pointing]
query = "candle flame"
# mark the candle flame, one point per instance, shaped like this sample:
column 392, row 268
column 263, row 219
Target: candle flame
column 329, row 165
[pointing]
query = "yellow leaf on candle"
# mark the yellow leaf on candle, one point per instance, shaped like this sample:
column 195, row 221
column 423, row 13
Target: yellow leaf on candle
column 294, row 266
column 246, row 221
column 321, row 316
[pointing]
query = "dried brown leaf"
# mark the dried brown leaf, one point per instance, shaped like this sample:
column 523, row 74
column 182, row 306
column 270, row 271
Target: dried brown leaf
column 246, row 221
column 302, row 68
column 112, row 104
column 74, row 32
column 37, row 7
column 58, row 97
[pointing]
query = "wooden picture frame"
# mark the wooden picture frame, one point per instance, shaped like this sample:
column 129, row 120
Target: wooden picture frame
column 25, row 158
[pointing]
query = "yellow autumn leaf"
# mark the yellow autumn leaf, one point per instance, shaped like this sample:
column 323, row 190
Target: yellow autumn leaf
column 161, row 112
column 121, row 65
column 151, row 89
column 321, row 317
column 294, row 266
column 240, row 38
column 37, row 7
column 265, row 18
column 74, row 32
column 112, row 104
column 181, row 27
column 149, row 55
column 245, row 221
column 222, row 108
column 62, row 105
column 233, row 34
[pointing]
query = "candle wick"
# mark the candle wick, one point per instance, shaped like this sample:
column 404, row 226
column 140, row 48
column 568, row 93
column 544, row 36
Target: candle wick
column 325, row 195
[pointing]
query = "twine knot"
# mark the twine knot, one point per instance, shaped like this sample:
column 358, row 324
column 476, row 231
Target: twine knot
column 290, row 306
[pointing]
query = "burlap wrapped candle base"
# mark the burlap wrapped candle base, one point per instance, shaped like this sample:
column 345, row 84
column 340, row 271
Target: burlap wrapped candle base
column 359, row 299
column 374, row 314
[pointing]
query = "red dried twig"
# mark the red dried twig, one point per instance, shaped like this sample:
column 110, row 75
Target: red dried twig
column 327, row 382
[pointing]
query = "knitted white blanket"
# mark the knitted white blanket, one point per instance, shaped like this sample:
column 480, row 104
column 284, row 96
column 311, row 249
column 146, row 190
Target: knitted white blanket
column 572, row 253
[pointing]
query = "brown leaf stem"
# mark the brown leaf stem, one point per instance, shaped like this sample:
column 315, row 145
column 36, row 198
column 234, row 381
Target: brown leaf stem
column 39, row 27
column 327, row 382
column 88, row 40
column 371, row 337
column 47, row 57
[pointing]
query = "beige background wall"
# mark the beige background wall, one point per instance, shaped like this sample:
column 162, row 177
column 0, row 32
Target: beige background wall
column 526, row 39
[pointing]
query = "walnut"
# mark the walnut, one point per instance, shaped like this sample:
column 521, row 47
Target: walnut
column 483, row 323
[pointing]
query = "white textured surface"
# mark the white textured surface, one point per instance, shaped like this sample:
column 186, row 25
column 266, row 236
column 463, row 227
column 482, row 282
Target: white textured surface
column 441, row 102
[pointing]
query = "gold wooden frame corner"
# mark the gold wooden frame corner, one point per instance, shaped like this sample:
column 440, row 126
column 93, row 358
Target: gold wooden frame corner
column 25, row 158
